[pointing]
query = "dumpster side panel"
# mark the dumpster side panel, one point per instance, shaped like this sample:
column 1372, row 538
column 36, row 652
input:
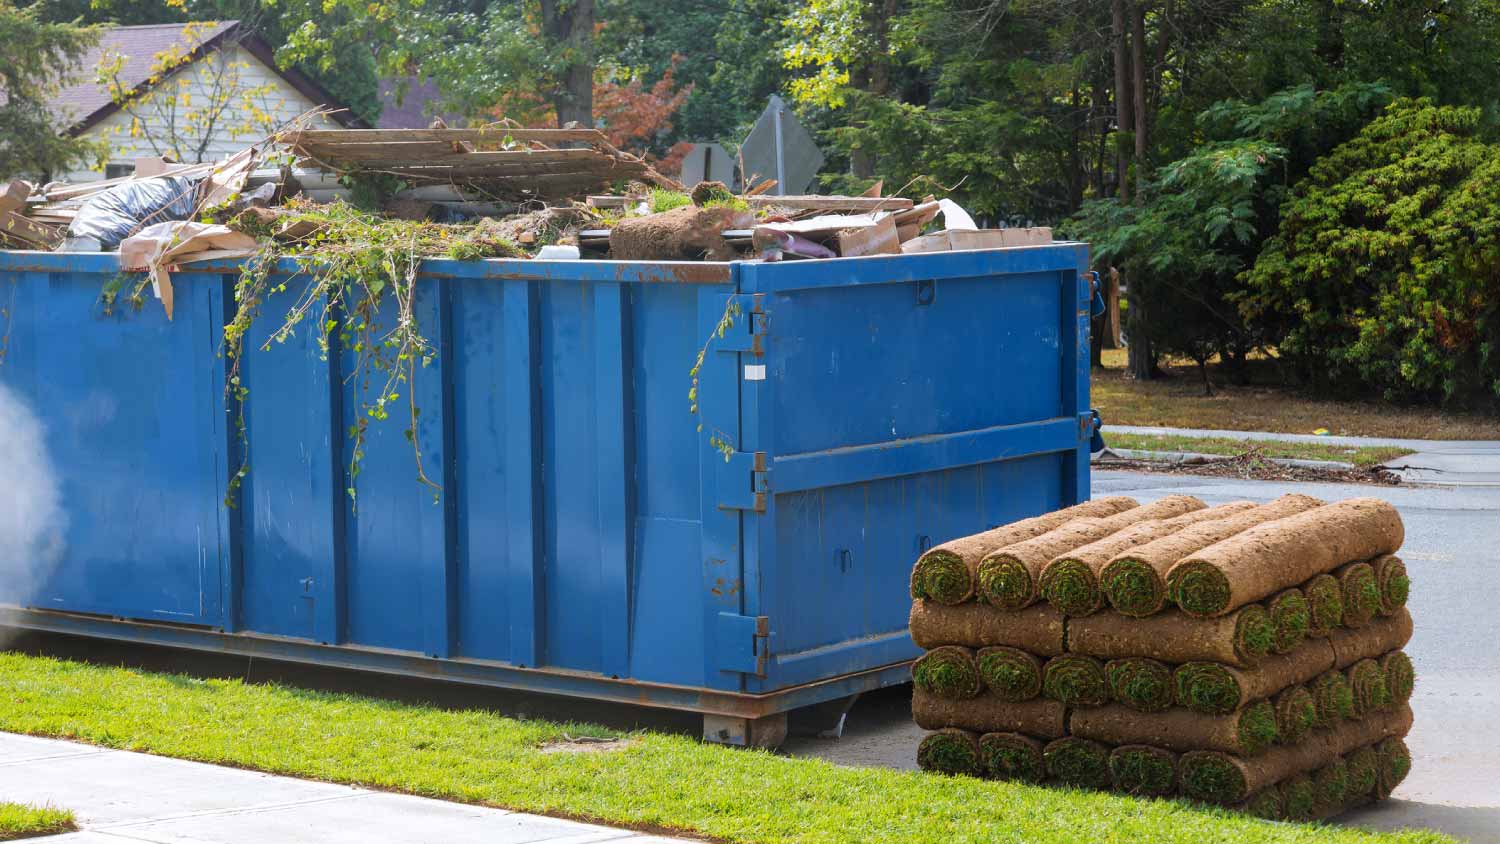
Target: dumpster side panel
column 128, row 408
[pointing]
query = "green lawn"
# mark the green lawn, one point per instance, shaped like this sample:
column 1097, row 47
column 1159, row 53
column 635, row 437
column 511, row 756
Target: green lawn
column 21, row 821
column 652, row 782
column 1363, row 456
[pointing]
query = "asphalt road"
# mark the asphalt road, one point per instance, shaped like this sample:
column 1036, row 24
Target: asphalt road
column 1452, row 546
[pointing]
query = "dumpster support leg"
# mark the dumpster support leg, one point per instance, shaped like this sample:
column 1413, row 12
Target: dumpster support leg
column 768, row 731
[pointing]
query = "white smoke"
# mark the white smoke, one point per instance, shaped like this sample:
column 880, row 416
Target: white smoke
column 33, row 524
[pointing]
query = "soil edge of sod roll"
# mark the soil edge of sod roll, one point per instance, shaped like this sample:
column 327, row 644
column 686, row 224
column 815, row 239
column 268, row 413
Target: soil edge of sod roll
column 949, row 751
column 1075, row 680
column 1078, row 762
column 1242, row 639
column 1012, row 757
column 949, row 672
column 1141, row 683
column 1325, row 604
column 987, row 713
column 1037, row 629
column 1011, row 674
column 1246, row 732
column 1141, row 770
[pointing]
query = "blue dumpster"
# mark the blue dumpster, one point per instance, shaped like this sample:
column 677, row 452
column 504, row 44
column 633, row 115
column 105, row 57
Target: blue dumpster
column 592, row 537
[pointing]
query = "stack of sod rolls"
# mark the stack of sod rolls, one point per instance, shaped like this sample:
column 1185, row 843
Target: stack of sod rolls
column 1244, row 655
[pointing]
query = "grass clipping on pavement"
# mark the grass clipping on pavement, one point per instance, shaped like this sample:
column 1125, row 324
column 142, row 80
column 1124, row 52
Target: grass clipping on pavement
column 18, row 820
column 669, row 783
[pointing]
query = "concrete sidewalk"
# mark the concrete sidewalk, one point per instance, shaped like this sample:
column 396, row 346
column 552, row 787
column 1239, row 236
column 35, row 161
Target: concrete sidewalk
column 1448, row 462
column 129, row 798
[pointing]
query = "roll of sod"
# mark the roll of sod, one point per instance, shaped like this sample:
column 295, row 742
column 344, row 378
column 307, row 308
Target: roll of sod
column 1075, row 680
column 1038, row 717
column 1245, row 733
column 1393, row 583
column 1142, row 684
column 1393, row 763
column 1011, row 674
column 1362, row 766
column 1361, row 594
column 1330, row 787
column 1070, row 581
column 1268, row 558
column 1143, row 771
column 1371, row 694
column 1242, row 639
column 1300, row 798
column 1268, row 804
column 1077, row 762
column 949, row 672
column 1290, row 617
column 1012, row 756
column 1218, row 777
column 1325, row 605
column 1332, row 697
column 949, row 751
column 1400, row 676
column 1135, row 582
column 1215, row 689
column 1037, row 629
column 945, row 573
column 1379, row 637
column 1296, row 714
column 1010, row 577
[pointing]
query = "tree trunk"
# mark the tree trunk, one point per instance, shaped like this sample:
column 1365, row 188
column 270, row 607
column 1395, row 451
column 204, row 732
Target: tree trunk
column 1142, row 356
column 1124, row 113
column 1138, row 88
column 569, row 24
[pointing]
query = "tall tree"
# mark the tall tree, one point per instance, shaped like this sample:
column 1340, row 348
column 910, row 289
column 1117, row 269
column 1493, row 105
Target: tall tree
column 36, row 59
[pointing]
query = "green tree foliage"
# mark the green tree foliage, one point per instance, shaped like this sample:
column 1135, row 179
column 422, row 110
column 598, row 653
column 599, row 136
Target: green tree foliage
column 1385, row 272
column 36, row 58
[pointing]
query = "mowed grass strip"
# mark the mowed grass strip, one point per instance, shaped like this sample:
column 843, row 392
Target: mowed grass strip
column 668, row 783
column 1363, row 456
column 18, row 820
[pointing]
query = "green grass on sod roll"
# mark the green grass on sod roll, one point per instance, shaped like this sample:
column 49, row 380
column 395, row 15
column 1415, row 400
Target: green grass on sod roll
column 1070, row 586
column 1325, row 604
column 1330, row 786
column 1075, row 680
column 1009, row 756
column 949, row 752
column 1361, row 595
column 1254, row 633
column 948, row 672
column 1290, row 618
column 1394, row 764
column 1400, row 675
column 1257, row 727
column 1132, row 588
column 1368, row 684
column 1005, row 584
column 1394, row 585
column 1206, row 687
column 1078, row 762
column 1362, row 765
column 1268, row 804
column 1333, row 697
column 1301, row 798
column 941, row 576
column 1140, row 683
column 1211, row 777
column 1143, row 771
column 1296, row 714
column 1200, row 589
column 1011, row 674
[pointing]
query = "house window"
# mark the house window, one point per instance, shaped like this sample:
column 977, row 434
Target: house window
column 115, row 171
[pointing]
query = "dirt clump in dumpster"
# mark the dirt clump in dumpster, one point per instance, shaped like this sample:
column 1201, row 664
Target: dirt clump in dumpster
column 688, row 233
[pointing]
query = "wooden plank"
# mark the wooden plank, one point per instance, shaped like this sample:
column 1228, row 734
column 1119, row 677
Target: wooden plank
column 13, row 195
column 443, row 174
column 22, row 229
column 494, row 133
column 415, row 154
column 832, row 203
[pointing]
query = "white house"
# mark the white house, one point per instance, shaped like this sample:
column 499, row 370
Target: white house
column 192, row 92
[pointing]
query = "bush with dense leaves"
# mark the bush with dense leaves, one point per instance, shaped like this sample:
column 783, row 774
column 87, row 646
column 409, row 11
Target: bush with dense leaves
column 1385, row 274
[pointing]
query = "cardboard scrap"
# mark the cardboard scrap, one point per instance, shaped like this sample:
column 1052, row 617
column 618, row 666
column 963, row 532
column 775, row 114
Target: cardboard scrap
column 960, row 239
column 156, row 248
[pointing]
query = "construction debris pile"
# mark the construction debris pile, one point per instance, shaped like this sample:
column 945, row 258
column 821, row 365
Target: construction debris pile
column 1242, row 655
column 593, row 200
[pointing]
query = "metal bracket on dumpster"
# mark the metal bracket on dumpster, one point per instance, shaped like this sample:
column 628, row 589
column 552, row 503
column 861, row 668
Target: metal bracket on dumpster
column 748, row 332
column 744, row 643
column 744, row 481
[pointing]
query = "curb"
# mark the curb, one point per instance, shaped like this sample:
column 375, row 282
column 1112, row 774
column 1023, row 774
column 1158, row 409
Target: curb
column 1191, row 458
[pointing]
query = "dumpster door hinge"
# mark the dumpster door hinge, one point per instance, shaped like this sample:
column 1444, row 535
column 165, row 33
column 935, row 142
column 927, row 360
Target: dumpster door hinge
column 744, row 643
column 745, row 331
column 744, row 481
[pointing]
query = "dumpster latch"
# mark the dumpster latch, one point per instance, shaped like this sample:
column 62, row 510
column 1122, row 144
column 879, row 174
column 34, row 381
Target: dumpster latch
column 744, row 481
column 744, row 643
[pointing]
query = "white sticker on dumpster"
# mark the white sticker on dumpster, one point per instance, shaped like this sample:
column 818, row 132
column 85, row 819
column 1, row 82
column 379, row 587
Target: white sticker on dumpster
column 755, row 372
